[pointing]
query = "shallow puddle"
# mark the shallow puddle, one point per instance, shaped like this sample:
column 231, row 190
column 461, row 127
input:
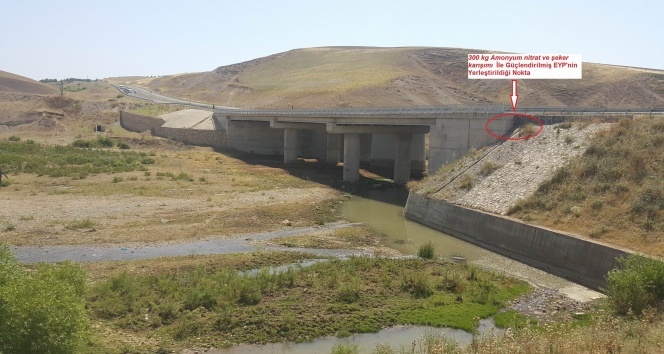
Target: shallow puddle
column 396, row 337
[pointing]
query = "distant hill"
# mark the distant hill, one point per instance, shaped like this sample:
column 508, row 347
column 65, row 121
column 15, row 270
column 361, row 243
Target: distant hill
column 361, row 77
column 15, row 83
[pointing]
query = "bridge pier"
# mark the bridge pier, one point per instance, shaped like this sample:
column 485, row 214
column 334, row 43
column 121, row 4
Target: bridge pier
column 290, row 145
column 333, row 148
column 400, row 152
column 365, row 147
column 402, row 158
column 351, row 157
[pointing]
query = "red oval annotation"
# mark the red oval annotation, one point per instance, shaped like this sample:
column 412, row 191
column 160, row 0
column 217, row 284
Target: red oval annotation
column 533, row 118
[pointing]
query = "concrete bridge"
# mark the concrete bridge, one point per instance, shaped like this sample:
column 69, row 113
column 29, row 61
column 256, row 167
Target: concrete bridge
column 381, row 137
column 385, row 138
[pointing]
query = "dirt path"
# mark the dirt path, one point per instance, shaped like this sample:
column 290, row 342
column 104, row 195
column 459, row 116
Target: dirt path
column 236, row 244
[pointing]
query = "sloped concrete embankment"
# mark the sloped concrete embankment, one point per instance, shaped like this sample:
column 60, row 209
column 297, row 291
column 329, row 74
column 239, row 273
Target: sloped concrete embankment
column 139, row 123
column 578, row 260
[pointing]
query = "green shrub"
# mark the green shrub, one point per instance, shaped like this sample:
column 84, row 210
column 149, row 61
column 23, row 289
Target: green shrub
column 649, row 203
column 426, row 251
column 14, row 138
column 638, row 283
column 148, row 161
column 123, row 146
column 41, row 311
column 80, row 143
column 104, row 141
column 249, row 293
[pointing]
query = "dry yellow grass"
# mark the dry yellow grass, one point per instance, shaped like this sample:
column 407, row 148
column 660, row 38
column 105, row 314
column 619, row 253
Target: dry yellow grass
column 365, row 77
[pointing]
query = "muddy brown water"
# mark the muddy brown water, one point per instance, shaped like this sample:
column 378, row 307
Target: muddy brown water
column 382, row 210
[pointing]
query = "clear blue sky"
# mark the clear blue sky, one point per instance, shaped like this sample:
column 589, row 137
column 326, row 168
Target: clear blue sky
column 97, row 39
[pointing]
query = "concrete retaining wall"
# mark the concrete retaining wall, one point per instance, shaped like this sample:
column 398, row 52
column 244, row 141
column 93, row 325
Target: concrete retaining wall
column 138, row 123
column 581, row 261
column 215, row 138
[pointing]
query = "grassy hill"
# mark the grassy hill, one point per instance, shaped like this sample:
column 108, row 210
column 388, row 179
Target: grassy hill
column 612, row 192
column 360, row 77
column 15, row 83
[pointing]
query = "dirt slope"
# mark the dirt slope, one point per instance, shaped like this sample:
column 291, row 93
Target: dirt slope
column 15, row 83
column 360, row 77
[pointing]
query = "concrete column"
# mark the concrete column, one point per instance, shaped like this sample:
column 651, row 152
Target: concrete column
column 352, row 158
column 382, row 150
column 418, row 154
column 333, row 148
column 365, row 147
column 290, row 145
column 402, row 158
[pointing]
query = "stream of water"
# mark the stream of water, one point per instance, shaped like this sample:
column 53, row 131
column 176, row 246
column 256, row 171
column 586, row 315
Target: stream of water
column 382, row 210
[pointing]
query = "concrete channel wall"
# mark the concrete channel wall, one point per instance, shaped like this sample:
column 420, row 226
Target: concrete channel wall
column 138, row 123
column 581, row 261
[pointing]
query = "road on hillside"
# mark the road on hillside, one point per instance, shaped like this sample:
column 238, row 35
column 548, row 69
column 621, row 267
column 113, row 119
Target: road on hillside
column 148, row 95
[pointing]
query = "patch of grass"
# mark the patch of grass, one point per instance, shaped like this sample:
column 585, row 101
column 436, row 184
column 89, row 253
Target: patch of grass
column 426, row 251
column 14, row 138
column 64, row 161
column 350, row 237
column 342, row 348
column 81, row 224
column 527, row 130
column 182, row 176
column 512, row 319
column 466, row 181
column 295, row 304
column 488, row 167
